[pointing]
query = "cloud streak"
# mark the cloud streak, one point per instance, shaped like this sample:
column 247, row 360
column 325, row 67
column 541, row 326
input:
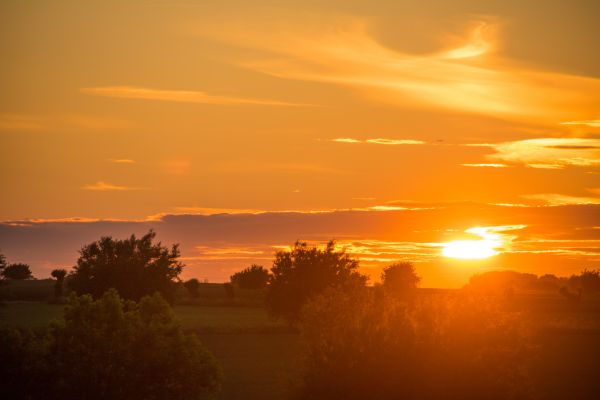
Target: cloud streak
column 549, row 153
column 467, row 77
column 101, row 186
column 383, row 141
column 180, row 96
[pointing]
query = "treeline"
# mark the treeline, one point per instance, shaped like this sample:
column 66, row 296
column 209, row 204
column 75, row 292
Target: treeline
column 118, row 338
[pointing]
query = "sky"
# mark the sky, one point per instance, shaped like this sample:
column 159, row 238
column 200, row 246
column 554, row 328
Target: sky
column 394, row 127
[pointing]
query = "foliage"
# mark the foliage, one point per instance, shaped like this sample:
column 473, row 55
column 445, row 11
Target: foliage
column 193, row 287
column 400, row 279
column 116, row 349
column 3, row 263
column 253, row 277
column 305, row 271
column 17, row 271
column 59, row 275
column 501, row 281
column 367, row 344
column 588, row 281
column 134, row 267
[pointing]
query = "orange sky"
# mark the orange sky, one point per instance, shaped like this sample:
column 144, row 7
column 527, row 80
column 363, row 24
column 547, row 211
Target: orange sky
column 141, row 110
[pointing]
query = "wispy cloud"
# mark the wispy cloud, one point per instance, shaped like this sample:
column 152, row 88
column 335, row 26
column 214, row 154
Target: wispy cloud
column 485, row 165
column 181, row 96
column 34, row 122
column 594, row 123
column 346, row 140
column 101, row 186
column 390, row 142
column 121, row 161
column 549, row 153
column 18, row 122
column 468, row 76
column 555, row 199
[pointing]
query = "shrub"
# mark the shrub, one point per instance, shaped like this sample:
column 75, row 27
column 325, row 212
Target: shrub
column 193, row 287
column 18, row 271
column 253, row 277
column 400, row 279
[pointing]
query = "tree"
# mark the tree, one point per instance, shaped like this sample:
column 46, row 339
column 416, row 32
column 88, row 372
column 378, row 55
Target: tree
column 111, row 348
column 17, row 271
column 59, row 275
column 364, row 343
column 588, row 280
column 2, row 262
column 253, row 277
column 134, row 267
column 303, row 272
column 3, row 265
column 193, row 287
column 400, row 279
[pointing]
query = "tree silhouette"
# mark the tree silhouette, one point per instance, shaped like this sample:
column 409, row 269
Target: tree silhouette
column 306, row 271
column 193, row 287
column 253, row 277
column 3, row 265
column 59, row 275
column 18, row 271
column 134, row 267
column 400, row 279
column 109, row 348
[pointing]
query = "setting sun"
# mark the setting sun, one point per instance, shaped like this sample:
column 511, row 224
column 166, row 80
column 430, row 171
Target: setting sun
column 469, row 249
column 485, row 247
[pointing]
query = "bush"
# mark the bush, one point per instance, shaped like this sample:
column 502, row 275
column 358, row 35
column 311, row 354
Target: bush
column 18, row 271
column 305, row 271
column 134, row 267
column 366, row 344
column 253, row 277
column 400, row 279
column 115, row 349
column 193, row 287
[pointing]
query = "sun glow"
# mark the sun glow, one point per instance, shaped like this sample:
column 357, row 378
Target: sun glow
column 469, row 249
column 474, row 249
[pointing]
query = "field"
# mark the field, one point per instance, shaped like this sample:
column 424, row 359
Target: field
column 261, row 357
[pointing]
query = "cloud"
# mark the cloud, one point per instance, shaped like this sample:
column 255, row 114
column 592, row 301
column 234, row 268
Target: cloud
column 594, row 123
column 392, row 142
column 121, row 161
column 181, row 96
column 485, row 165
column 467, row 77
column 346, row 140
column 17, row 122
column 555, row 199
column 549, row 153
column 106, row 187
column 31, row 122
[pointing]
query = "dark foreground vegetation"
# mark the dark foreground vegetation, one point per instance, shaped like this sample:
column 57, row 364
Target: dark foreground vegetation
column 505, row 335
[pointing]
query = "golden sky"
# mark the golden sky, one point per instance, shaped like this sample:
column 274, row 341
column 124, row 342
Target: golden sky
column 141, row 110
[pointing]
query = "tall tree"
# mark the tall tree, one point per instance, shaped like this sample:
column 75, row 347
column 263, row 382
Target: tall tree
column 134, row 267
column 59, row 275
column 305, row 271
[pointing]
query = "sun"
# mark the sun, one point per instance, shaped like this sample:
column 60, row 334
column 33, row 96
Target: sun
column 474, row 249
column 469, row 249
